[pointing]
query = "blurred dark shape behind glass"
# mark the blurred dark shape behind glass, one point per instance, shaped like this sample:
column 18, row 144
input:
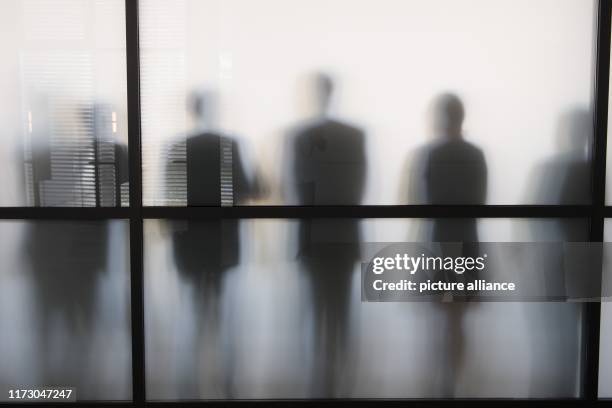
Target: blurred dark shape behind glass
column 564, row 179
column 76, row 160
column 391, row 58
column 60, row 58
column 451, row 171
column 329, row 168
column 67, row 260
column 205, row 250
column 73, row 325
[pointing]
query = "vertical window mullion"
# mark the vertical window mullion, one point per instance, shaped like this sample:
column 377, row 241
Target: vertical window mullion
column 135, row 184
column 593, row 309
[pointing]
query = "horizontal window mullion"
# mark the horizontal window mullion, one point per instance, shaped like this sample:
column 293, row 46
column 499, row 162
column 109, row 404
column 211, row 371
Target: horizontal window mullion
column 65, row 213
column 409, row 211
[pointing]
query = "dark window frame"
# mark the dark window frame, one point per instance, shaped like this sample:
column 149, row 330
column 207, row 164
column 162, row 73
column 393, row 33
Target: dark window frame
column 596, row 213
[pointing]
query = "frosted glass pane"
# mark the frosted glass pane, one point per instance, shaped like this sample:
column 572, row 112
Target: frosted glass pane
column 605, row 342
column 63, row 103
column 245, row 72
column 65, row 307
column 233, row 310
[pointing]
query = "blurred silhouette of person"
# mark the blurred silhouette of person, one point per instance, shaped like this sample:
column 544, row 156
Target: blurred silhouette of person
column 564, row 179
column 451, row 171
column 85, row 170
column 204, row 250
column 328, row 168
column 68, row 258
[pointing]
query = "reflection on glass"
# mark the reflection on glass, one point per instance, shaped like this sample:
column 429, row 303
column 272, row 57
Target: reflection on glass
column 258, row 326
column 63, row 106
column 64, row 315
column 389, row 59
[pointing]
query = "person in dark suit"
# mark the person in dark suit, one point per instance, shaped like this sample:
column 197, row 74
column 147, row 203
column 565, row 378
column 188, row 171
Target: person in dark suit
column 452, row 171
column 455, row 173
column 204, row 250
column 68, row 258
column 328, row 168
column 563, row 179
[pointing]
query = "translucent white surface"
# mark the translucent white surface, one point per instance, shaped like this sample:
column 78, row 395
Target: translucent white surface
column 65, row 308
column 605, row 341
column 519, row 66
column 261, row 346
column 63, row 81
